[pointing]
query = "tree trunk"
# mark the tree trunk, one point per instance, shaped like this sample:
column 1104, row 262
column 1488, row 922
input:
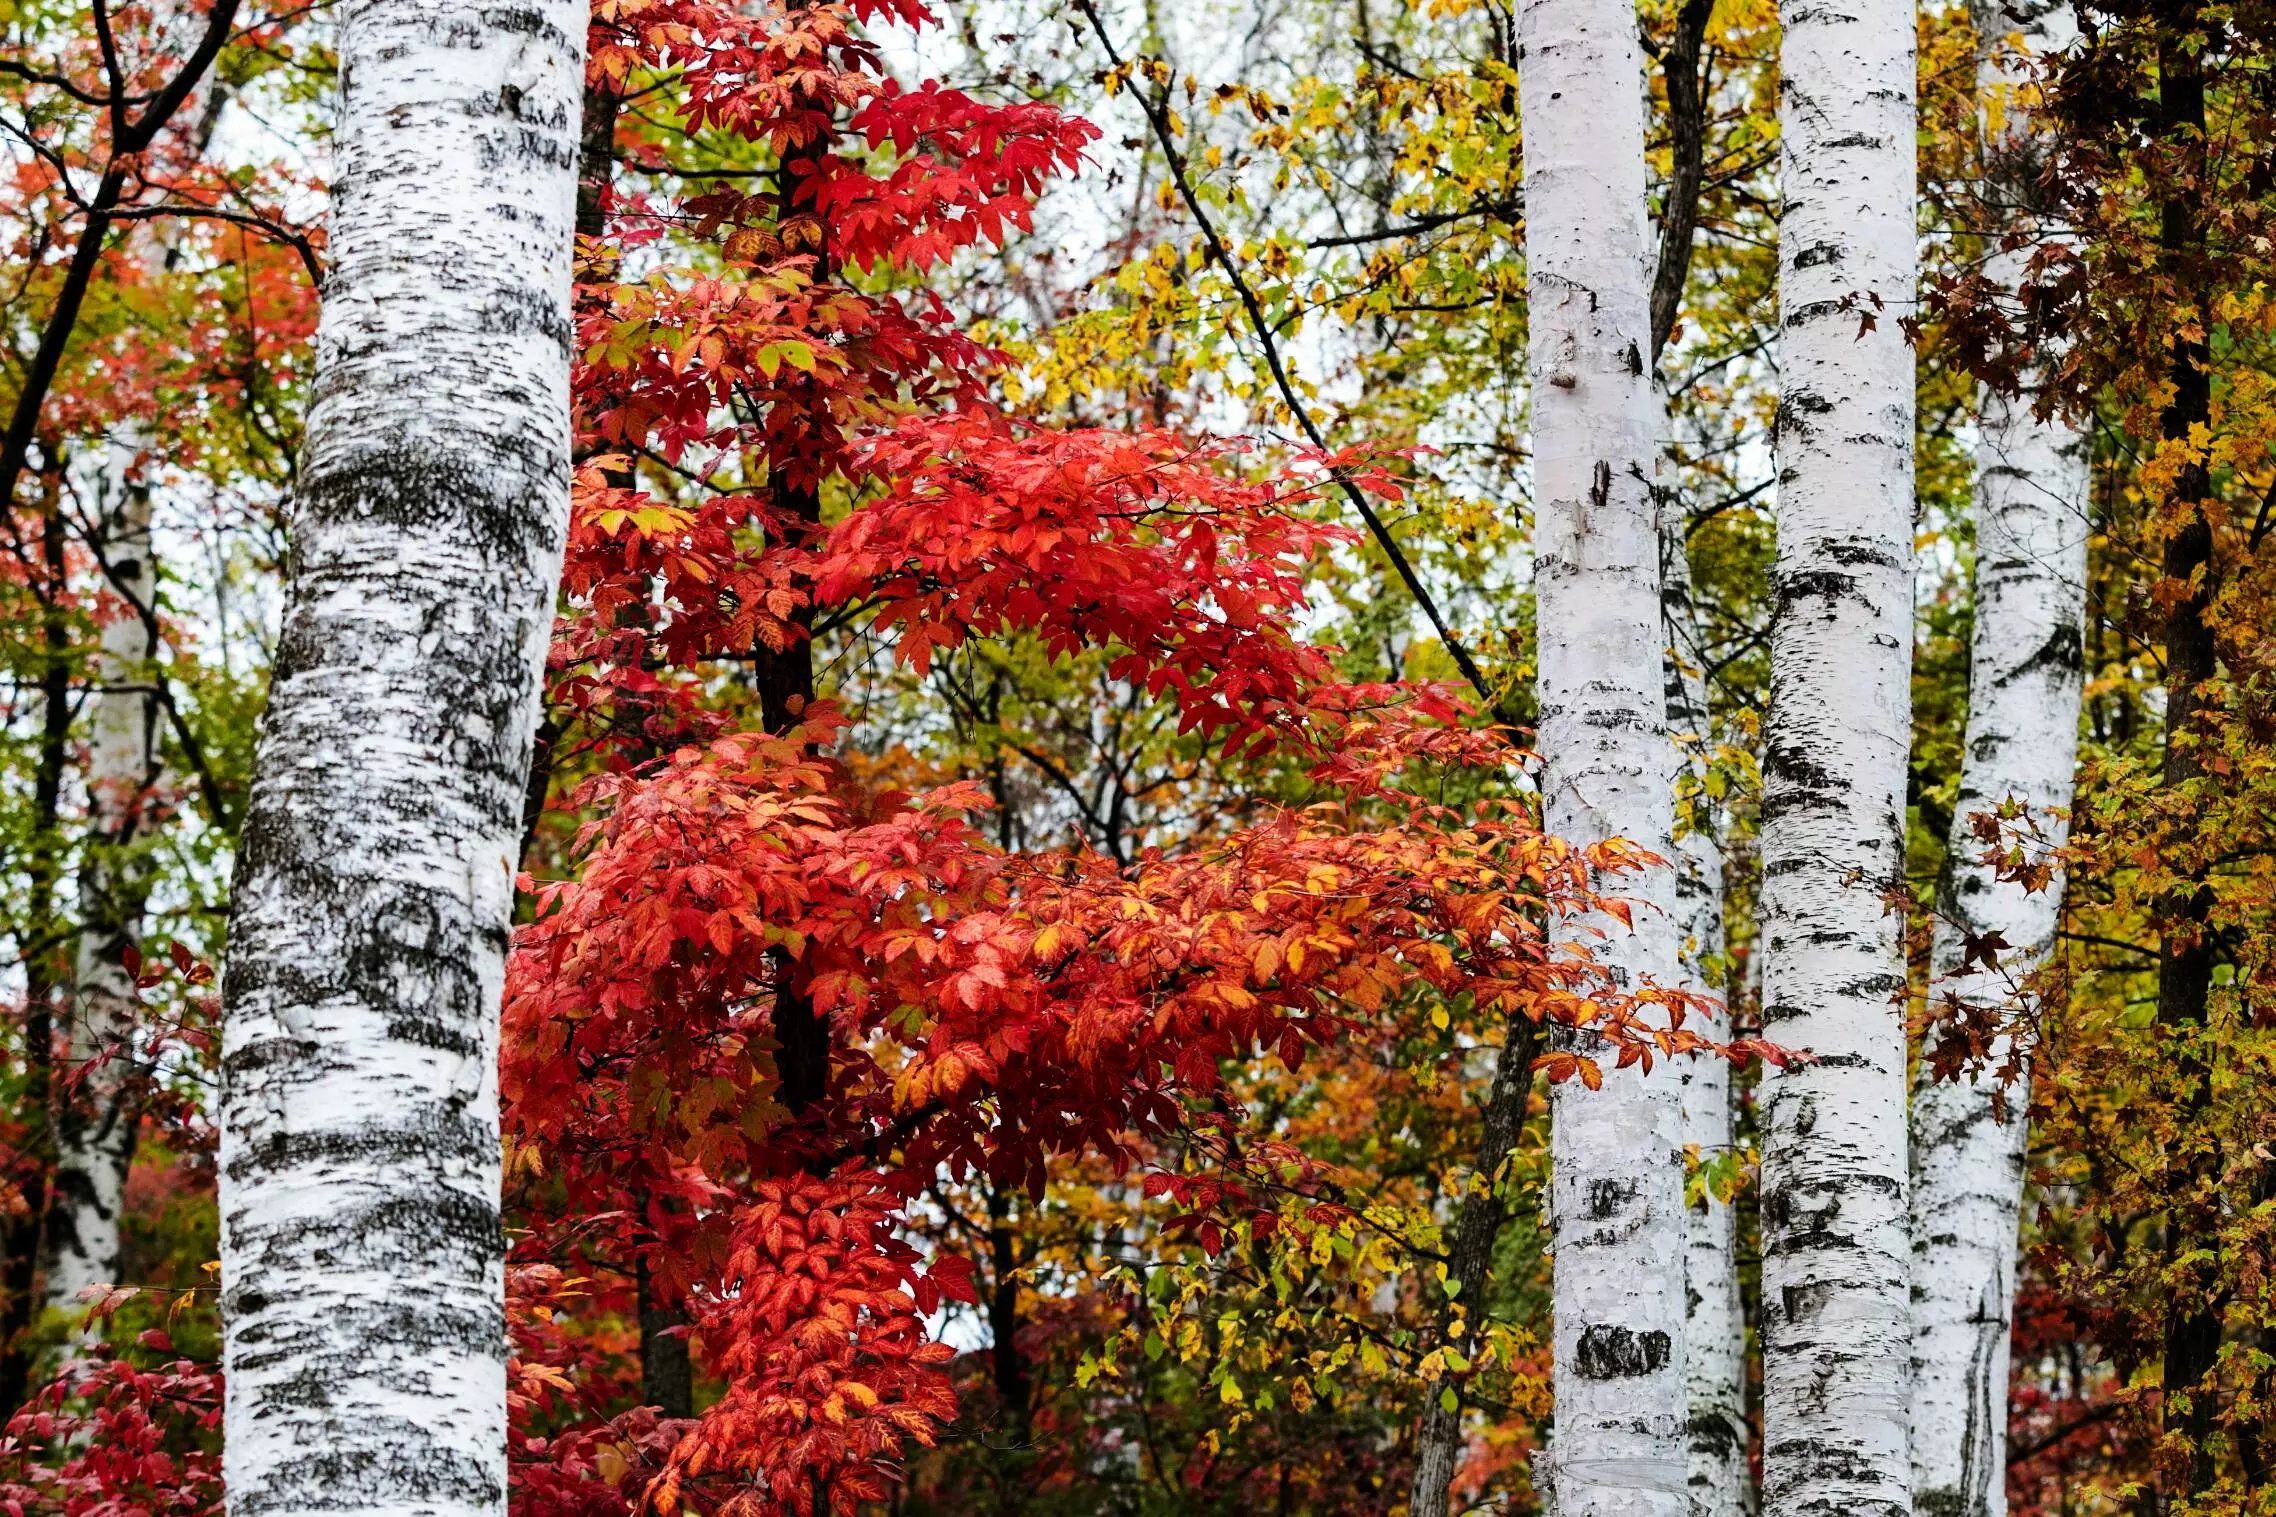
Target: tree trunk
column 1835, row 1224
column 1478, row 1222
column 1015, row 1389
column 2187, row 954
column 667, row 1371
column 1714, row 1319
column 97, row 1118
column 19, row 1297
column 2025, row 664
column 362, row 1252
column 1714, row 1316
column 1616, row 1155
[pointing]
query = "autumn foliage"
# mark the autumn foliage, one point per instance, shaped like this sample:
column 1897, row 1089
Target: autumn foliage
column 772, row 1002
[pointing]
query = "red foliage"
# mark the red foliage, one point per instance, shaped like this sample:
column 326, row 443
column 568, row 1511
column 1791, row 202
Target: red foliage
column 117, row 1433
column 978, row 1012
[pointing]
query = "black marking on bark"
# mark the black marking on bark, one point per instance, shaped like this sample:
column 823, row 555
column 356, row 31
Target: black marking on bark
column 1715, row 1431
column 1607, row 1197
column 1940, row 1501
column 1822, row 253
column 1817, row 310
column 415, row 1140
column 1814, row 584
column 426, row 480
column 1798, row 1226
column 1609, row 1352
column 1814, row 1460
column 2063, row 653
column 1791, row 419
column 526, row 21
column 1800, row 1303
column 1862, row 553
column 408, row 1463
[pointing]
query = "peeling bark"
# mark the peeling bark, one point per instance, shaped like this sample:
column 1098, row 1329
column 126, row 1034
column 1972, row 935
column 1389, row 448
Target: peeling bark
column 1616, row 1209
column 362, row 1252
column 1835, row 1220
column 2025, row 669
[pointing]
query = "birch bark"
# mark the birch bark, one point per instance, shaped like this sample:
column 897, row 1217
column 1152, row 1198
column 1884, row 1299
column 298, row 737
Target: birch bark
column 1616, row 1205
column 1835, row 1223
column 362, row 1254
column 96, row 1122
column 1714, row 1323
column 2025, row 666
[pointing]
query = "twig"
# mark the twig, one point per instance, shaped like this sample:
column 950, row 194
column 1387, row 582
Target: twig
column 126, row 144
column 1157, row 118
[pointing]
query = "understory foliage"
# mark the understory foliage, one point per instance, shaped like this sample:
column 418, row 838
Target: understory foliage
column 1032, row 856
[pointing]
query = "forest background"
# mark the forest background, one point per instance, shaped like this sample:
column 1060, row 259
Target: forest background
column 1239, row 293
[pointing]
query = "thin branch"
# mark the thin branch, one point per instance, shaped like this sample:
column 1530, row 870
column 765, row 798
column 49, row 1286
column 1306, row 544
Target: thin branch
column 273, row 230
column 1502, row 210
column 112, row 73
column 30, row 75
column 2059, row 1432
column 64, row 319
column 1157, row 118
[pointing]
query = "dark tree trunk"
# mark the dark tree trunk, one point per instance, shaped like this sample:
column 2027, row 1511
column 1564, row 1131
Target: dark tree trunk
column 42, row 940
column 1013, row 1388
column 1470, row 1252
column 667, row 1372
column 2187, row 950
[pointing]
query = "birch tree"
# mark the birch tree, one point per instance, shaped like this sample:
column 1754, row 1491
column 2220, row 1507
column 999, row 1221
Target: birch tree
column 2022, row 741
column 1714, row 1321
column 1616, row 1206
column 1835, row 1225
column 96, row 1125
column 362, row 1253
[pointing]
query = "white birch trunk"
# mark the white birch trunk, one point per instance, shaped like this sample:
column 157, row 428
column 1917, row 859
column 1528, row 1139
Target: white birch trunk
column 362, row 1253
column 97, row 1125
column 2025, row 665
column 1835, row 1223
column 1714, row 1321
column 97, row 1121
column 1616, row 1154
